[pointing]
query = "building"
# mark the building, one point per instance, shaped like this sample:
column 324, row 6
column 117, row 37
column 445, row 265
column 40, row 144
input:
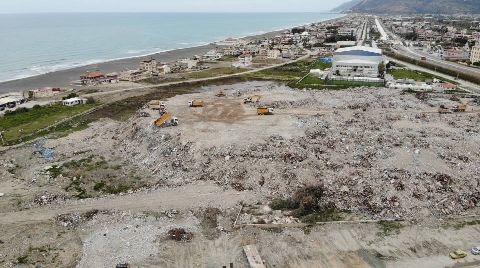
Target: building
column 11, row 101
column 74, row 101
column 213, row 55
column 456, row 54
column 357, row 61
column 244, row 60
column 92, row 78
column 475, row 54
column 43, row 92
column 149, row 65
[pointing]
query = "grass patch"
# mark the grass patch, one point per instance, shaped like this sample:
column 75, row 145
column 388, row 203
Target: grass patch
column 213, row 72
column 25, row 122
column 389, row 228
column 289, row 72
column 416, row 75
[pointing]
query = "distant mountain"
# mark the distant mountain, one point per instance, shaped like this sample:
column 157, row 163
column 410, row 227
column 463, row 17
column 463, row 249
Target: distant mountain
column 411, row 6
column 346, row 6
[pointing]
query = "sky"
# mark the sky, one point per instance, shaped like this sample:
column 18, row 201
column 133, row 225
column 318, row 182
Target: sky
column 42, row 6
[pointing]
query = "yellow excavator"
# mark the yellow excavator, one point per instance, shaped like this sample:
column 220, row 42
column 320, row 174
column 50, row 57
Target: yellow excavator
column 167, row 120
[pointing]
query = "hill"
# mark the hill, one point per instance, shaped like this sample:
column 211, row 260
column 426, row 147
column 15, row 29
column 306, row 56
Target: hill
column 411, row 6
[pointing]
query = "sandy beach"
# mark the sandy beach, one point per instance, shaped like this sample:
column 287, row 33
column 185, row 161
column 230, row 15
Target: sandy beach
column 64, row 78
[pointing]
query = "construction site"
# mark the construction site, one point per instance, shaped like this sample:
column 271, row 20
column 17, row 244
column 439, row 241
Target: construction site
column 252, row 174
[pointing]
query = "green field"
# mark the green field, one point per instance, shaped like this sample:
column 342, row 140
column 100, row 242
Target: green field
column 23, row 123
column 415, row 75
column 311, row 81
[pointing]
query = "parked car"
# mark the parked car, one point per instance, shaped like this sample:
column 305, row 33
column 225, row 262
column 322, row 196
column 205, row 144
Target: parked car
column 458, row 254
column 476, row 250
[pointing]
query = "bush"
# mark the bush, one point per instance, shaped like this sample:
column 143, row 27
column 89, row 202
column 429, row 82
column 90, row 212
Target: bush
column 71, row 95
column 282, row 204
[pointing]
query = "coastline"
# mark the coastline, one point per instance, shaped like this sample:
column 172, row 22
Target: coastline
column 63, row 78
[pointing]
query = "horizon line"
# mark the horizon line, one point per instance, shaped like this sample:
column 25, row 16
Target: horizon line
column 163, row 12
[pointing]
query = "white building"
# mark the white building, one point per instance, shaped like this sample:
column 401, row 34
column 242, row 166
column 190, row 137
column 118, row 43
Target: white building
column 213, row 55
column 475, row 54
column 74, row 101
column 357, row 61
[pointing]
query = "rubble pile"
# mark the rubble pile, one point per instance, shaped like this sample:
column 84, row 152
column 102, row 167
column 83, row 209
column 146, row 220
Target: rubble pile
column 375, row 151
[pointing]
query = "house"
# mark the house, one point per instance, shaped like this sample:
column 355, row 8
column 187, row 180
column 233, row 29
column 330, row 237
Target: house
column 244, row 60
column 111, row 78
column 74, row 101
column 149, row 65
column 43, row 92
column 92, row 78
column 274, row 54
column 11, row 101
column 164, row 69
column 189, row 63
column 456, row 54
column 213, row 55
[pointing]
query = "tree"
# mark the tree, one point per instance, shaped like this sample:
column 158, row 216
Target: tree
column 381, row 69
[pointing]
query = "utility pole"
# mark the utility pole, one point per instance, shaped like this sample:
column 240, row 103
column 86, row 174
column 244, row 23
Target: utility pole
column 1, row 137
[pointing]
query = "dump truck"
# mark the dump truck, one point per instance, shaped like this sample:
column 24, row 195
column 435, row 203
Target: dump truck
column 264, row 111
column 252, row 99
column 167, row 120
column 196, row 103
column 156, row 104
column 221, row 93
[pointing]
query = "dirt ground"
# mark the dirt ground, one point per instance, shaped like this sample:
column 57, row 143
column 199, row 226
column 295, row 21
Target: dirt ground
column 114, row 190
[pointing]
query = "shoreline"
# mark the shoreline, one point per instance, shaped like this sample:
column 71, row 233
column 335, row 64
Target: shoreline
column 63, row 78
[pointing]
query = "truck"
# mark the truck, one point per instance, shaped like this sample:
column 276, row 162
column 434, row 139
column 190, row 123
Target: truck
column 156, row 104
column 196, row 103
column 167, row 120
column 461, row 108
column 252, row 99
column 264, row 111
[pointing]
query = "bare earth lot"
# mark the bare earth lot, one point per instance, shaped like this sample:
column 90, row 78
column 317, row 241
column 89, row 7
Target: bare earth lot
column 115, row 190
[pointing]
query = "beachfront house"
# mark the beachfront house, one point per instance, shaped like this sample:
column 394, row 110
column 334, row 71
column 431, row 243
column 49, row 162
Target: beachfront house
column 74, row 101
column 164, row 69
column 189, row 64
column 213, row 55
column 11, row 101
column 92, row 78
column 149, row 65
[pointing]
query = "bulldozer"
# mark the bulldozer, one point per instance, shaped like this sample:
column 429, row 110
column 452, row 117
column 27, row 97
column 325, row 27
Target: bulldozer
column 196, row 103
column 167, row 120
column 252, row 99
column 444, row 110
column 264, row 111
column 461, row 108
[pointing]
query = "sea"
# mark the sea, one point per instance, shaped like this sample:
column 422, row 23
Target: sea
column 34, row 44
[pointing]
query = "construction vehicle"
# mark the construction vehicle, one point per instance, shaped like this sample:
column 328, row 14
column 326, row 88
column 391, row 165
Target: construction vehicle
column 444, row 110
column 461, row 108
column 221, row 94
column 156, row 104
column 167, row 120
column 264, row 111
column 252, row 99
column 196, row 103
column 458, row 254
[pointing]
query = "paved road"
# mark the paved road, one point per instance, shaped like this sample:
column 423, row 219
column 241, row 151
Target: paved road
column 403, row 50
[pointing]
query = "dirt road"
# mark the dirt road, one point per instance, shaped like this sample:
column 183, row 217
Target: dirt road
column 202, row 194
